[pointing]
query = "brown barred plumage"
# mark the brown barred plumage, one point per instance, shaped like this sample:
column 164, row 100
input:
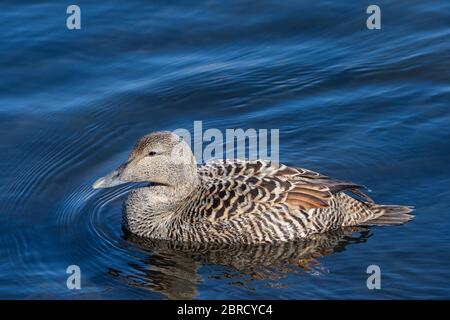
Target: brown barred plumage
column 236, row 201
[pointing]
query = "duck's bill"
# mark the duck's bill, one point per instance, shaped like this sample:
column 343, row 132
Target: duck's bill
column 111, row 180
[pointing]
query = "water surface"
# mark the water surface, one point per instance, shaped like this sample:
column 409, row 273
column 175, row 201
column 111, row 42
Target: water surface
column 370, row 106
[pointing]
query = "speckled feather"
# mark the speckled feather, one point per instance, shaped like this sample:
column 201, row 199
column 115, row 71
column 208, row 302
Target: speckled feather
column 255, row 202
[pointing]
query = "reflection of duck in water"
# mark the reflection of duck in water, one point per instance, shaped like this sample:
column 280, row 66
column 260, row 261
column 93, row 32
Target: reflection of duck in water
column 235, row 201
column 171, row 267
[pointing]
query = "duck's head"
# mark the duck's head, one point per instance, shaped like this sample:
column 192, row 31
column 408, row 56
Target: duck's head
column 162, row 158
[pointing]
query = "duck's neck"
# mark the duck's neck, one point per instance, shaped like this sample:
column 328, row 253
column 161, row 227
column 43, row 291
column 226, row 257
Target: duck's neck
column 151, row 211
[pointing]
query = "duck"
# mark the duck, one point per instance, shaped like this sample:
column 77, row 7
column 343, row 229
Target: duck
column 235, row 201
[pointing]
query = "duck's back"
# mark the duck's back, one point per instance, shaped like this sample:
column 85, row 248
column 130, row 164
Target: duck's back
column 257, row 201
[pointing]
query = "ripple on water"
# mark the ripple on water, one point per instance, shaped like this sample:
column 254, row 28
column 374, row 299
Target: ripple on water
column 54, row 160
column 98, row 214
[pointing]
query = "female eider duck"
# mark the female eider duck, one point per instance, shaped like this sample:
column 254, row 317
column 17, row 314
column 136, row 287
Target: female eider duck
column 235, row 201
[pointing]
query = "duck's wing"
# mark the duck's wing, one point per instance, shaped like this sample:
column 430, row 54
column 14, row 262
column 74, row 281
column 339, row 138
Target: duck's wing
column 313, row 190
column 233, row 188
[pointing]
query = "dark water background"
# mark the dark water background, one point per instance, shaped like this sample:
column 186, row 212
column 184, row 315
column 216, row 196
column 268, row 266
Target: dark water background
column 357, row 104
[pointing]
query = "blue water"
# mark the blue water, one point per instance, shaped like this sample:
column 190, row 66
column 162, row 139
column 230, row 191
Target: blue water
column 370, row 106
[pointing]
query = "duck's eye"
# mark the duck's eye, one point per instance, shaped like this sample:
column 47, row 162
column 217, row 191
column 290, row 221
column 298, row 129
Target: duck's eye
column 151, row 153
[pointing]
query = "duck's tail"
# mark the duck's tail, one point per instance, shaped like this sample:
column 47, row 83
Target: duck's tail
column 367, row 213
column 386, row 215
